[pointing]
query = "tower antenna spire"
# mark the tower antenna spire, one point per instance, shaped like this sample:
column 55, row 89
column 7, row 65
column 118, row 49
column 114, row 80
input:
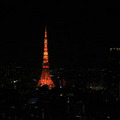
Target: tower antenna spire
column 45, row 31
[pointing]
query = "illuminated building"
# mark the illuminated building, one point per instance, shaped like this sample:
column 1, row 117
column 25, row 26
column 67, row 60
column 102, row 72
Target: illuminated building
column 117, row 49
column 114, row 74
column 45, row 78
column 12, row 76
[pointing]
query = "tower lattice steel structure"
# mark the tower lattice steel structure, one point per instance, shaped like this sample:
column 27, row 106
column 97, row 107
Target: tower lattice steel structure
column 45, row 78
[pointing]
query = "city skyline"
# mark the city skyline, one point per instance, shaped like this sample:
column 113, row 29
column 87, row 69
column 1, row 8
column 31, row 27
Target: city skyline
column 80, row 42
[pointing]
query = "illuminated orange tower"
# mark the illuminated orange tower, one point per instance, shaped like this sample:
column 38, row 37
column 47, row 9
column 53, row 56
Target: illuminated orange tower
column 45, row 78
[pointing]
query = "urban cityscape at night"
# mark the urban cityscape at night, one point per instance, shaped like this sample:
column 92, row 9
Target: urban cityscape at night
column 59, row 61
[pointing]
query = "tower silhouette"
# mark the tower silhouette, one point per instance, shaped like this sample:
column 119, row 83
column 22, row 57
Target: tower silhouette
column 45, row 78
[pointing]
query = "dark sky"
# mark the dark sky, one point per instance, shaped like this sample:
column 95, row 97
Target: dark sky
column 78, row 33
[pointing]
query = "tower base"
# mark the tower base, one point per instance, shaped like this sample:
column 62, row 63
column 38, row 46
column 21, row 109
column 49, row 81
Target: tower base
column 45, row 79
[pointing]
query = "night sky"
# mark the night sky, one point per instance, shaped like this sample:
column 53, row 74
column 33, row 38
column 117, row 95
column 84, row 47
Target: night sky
column 78, row 33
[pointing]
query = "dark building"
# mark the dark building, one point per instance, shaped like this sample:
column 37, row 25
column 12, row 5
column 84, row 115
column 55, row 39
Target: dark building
column 12, row 76
column 114, row 72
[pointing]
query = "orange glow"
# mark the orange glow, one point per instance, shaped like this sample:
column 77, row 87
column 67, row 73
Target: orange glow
column 45, row 78
column 45, row 41
column 45, row 66
column 45, row 49
column 45, row 34
column 45, row 61
column 45, row 58
column 45, row 53
column 45, row 45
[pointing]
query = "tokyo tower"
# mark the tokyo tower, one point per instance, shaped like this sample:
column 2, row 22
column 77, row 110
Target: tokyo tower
column 45, row 78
